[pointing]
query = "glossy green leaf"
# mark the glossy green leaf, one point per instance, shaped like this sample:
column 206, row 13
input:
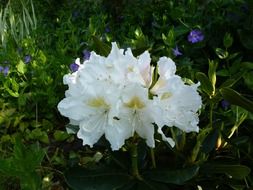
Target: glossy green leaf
column 228, row 83
column 233, row 171
column 179, row 176
column 86, row 179
column 237, row 99
column 223, row 73
column 210, row 141
column 206, row 84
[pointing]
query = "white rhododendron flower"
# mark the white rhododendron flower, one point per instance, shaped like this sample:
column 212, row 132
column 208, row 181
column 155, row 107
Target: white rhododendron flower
column 111, row 96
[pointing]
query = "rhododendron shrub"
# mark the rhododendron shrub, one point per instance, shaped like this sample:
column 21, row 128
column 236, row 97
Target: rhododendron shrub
column 116, row 96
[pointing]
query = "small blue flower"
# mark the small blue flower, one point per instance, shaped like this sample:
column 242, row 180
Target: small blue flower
column 5, row 70
column 195, row 36
column 225, row 104
column 176, row 51
column 1, row 69
column 74, row 67
column 86, row 54
column 107, row 29
column 27, row 59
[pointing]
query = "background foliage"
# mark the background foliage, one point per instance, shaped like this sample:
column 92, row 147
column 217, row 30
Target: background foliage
column 41, row 38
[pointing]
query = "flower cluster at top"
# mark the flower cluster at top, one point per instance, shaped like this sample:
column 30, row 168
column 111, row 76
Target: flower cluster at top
column 116, row 97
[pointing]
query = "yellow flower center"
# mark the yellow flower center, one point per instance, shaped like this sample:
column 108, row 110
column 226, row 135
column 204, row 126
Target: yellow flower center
column 135, row 103
column 166, row 95
column 98, row 102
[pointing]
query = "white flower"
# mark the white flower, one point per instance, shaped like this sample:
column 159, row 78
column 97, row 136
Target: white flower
column 110, row 96
column 179, row 101
column 140, row 112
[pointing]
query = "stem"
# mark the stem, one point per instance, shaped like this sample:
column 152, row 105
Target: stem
column 152, row 154
column 134, row 159
column 211, row 115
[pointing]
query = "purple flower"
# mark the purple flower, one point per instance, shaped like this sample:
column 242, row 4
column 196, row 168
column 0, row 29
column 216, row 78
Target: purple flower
column 74, row 67
column 176, row 51
column 27, row 59
column 4, row 70
column 86, row 54
column 107, row 29
column 195, row 36
column 225, row 104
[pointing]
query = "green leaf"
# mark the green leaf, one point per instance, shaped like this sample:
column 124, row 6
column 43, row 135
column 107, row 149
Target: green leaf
column 23, row 164
column 178, row 177
column 246, row 38
column 28, row 158
column 10, row 91
column 233, row 171
column 60, row 135
column 6, row 167
column 21, row 67
column 101, row 47
column 180, row 30
column 40, row 135
column 210, row 141
column 31, row 181
column 227, row 40
column 14, row 85
column 237, row 99
column 240, row 140
column 206, row 84
column 42, row 57
column 200, row 138
column 86, row 179
column 228, row 83
column 247, row 65
column 248, row 79
column 223, row 73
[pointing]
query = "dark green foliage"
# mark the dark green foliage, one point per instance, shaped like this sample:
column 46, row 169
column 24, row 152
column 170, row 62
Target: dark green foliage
column 218, row 157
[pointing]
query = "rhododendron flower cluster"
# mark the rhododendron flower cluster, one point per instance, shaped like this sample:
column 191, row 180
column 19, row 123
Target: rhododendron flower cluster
column 113, row 96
